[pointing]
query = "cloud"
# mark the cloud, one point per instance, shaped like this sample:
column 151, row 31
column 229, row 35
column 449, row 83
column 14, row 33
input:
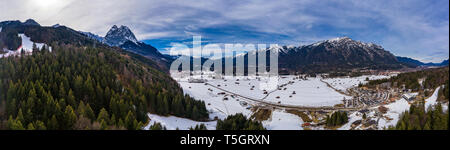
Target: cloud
column 413, row 28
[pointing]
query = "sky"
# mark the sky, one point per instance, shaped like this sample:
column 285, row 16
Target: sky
column 413, row 28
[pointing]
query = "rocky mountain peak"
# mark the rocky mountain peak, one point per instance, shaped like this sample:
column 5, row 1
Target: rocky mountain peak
column 346, row 42
column 340, row 39
column 117, row 36
column 31, row 22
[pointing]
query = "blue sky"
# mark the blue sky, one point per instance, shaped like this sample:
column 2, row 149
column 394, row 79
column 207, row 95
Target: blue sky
column 413, row 28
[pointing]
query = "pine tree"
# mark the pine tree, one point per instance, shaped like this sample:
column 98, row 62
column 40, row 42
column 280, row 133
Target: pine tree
column 103, row 125
column 20, row 116
column 53, row 123
column 71, row 98
column 129, row 121
column 40, row 125
column 195, row 114
column 89, row 112
column 103, row 115
column 30, row 127
column 156, row 126
column 81, row 110
column 121, row 123
column 70, row 117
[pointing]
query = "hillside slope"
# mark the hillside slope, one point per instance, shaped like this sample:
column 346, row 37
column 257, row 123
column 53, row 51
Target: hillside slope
column 82, row 84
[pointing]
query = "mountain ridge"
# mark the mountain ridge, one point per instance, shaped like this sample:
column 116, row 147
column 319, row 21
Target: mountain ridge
column 416, row 63
column 338, row 54
column 124, row 38
column 102, row 79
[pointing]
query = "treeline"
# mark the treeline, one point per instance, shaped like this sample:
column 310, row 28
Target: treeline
column 238, row 122
column 337, row 118
column 198, row 127
column 417, row 118
column 157, row 126
column 433, row 78
column 76, row 87
column 343, row 74
column 443, row 92
column 9, row 39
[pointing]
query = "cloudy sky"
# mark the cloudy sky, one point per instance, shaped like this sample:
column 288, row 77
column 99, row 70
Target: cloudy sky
column 413, row 28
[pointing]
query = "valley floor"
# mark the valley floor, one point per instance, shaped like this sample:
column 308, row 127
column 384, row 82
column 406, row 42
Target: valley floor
column 281, row 94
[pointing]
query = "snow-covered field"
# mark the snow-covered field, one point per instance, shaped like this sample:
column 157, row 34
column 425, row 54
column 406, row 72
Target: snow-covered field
column 432, row 100
column 400, row 106
column 27, row 46
column 284, row 90
column 215, row 103
column 224, row 96
column 281, row 120
column 343, row 83
column 172, row 123
column 310, row 92
column 394, row 112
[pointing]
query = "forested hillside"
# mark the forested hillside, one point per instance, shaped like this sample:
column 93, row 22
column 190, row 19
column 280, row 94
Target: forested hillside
column 238, row 122
column 417, row 118
column 432, row 79
column 82, row 87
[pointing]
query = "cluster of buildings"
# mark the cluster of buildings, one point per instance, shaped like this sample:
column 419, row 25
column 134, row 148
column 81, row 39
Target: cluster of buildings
column 367, row 97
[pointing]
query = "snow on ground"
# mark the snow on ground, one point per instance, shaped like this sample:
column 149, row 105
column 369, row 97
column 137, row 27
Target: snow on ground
column 352, row 118
column 432, row 100
column 172, row 122
column 252, row 87
column 281, row 120
column 394, row 112
column 343, row 83
column 223, row 96
column 310, row 92
column 215, row 102
column 391, row 117
column 445, row 106
column 27, row 46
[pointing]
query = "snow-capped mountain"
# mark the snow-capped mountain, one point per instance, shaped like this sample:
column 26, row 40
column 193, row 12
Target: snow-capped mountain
column 93, row 36
column 124, row 38
column 339, row 43
column 340, row 54
column 416, row 63
column 337, row 54
column 117, row 36
column 57, row 25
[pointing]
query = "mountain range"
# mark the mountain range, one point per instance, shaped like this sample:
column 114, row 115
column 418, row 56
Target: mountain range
column 340, row 54
column 416, row 63
column 335, row 55
column 124, row 38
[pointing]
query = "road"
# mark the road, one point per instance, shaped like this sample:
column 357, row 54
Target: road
column 276, row 105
